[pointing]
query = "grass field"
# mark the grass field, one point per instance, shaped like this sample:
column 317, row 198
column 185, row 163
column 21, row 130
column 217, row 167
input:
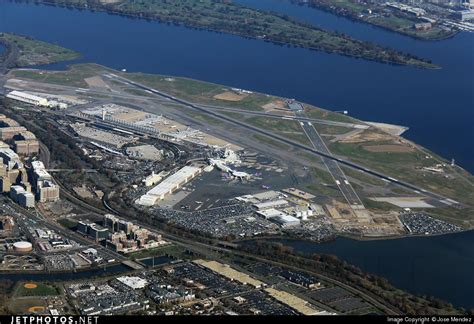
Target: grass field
column 172, row 249
column 68, row 223
column 198, row 91
column 407, row 166
column 35, row 289
column 35, row 52
column 74, row 76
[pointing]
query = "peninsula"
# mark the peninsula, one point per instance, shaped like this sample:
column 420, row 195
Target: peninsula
column 22, row 51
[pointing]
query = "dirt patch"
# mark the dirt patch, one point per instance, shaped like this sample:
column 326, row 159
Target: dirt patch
column 83, row 192
column 276, row 104
column 368, row 136
column 96, row 82
column 388, row 148
column 30, row 286
column 36, row 309
column 231, row 96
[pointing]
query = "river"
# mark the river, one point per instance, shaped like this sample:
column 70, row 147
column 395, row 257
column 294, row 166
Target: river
column 439, row 266
column 437, row 105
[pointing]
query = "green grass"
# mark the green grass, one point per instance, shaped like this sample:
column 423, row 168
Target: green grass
column 331, row 130
column 362, row 177
column 318, row 113
column 41, row 290
column 289, row 129
column 73, row 77
column 203, row 117
column 407, row 166
column 198, row 91
column 35, row 52
column 462, row 217
column 322, row 183
column 172, row 249
column 271, row 142
column 378, row 205
column 68, row 223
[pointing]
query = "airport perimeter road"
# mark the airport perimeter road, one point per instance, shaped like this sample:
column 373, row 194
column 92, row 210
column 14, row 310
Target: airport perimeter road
column 333, row 167
column 311, row 150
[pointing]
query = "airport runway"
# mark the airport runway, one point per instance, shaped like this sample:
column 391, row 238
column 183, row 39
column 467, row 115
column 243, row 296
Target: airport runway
column 312, row 150
column 333, row 167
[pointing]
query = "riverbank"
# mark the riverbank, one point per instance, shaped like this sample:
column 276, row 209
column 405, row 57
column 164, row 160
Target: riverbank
column 402, row 24
column 23, row 51
column 226, row 17
column 420, row 265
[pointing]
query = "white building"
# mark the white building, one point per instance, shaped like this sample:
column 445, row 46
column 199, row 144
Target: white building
column 10, row 158
column 133, row 282
column 270, row 213
column 271, row 204
column 169, row 185
column 26, row 199
column 286, row 221
column 28, row 98
column 153, row 179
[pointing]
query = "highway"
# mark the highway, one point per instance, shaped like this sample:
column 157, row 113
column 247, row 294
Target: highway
column 333, row 167
column 39, row 219
column 311, row 150
column 204, row 249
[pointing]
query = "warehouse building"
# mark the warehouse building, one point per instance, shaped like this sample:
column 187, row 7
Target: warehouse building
column 154, row 178
column 169, row 185
column 271, row 204
column 286, row 221
column 133, row 282
column 28, row 98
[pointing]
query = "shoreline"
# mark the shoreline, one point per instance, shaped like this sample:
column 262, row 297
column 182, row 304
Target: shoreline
column 388, row 29
column 422, row 64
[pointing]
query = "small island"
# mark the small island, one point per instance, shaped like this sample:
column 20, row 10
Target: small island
column 230, row 18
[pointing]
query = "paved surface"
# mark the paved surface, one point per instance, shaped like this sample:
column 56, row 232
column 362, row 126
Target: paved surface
column 333, row 167
column 213, row 113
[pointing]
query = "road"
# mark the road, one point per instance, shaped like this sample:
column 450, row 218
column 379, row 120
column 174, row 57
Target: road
column 11, row 54
column 204, row 249
column 285, row 140
column 41, row 221
column 333, row 167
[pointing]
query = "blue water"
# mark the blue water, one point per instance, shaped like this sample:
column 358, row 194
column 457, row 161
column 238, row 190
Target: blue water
column 437, row 105
column 439, row 266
